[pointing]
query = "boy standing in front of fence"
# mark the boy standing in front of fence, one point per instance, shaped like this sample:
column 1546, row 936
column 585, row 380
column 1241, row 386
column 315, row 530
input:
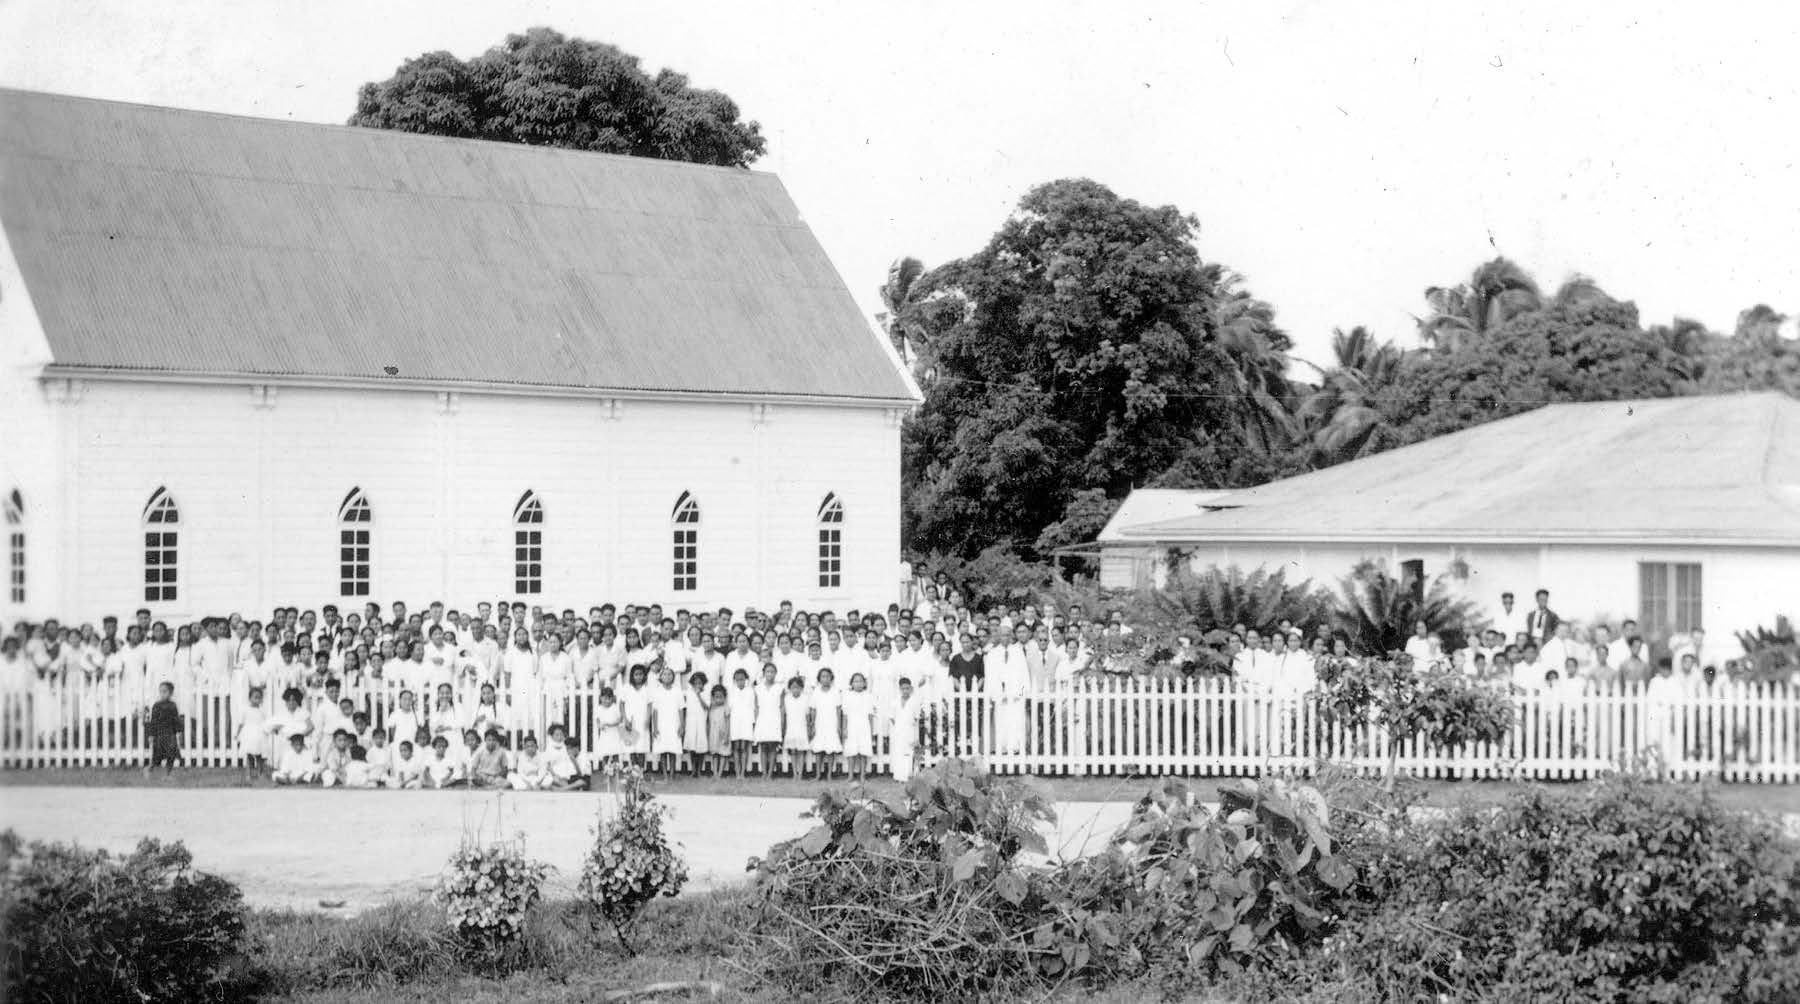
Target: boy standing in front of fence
column 164, row 730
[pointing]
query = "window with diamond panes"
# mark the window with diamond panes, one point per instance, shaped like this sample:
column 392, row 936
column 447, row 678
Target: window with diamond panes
column 162, row 517
column 831, row 543
column 687, row 544
column 528, row 546
column 356, row 520
column 15, row 546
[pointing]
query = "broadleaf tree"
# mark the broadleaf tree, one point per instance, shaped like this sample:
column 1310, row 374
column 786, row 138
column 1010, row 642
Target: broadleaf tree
column 546, row 89
column 1079, row 351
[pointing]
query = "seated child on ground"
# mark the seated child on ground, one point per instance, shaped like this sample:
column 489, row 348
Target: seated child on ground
column 409, row 770
column 380, row 758
column 334, row 763
column 356, row 773
column 488, row 763
column 530, row 772
column 297, row 764
column 442, row 770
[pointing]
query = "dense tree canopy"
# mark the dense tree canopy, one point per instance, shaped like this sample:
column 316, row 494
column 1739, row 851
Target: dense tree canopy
column 1084, row 351
column 545, row 89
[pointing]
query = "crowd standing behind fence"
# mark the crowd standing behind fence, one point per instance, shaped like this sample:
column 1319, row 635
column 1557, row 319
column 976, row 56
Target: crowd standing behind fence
column 506, row 695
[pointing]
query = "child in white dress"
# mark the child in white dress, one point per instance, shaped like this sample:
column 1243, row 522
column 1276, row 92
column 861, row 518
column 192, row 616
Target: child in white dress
column 795, row 736
column 634, row 701
column 827, row 723
column 409, row 770
column 298, row 765
column 666, row 703
column 253, row 735
column 609, row 729
column 740, row 705
column 768, row 720
column 694, row 705
column 859, row 727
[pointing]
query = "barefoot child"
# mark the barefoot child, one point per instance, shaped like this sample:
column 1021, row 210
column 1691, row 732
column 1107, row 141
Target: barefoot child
column 740, row 709
column 164, row 730
column 694, row 707
column 768, row 720
column 904, row 747
column 442, row 770
column 530, row 772
column 827, row 723
column 666, row 703
column 718, row 729
column 409, row 770
column 795, row 737
column 859, row 727
column 297, row 765
column 253, row 735
column 380, row 758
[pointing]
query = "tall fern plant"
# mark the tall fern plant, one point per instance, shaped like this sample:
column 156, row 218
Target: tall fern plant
column 1219, row 599
column 1377, row 611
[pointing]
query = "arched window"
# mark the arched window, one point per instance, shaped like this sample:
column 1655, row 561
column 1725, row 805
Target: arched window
column 687, row 543
column 528, row 545
column 355, row 520
column 161, row 517
column 831, row 542
column 15, row 546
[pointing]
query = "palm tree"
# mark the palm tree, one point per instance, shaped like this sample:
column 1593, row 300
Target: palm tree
column 902, row 275
column 1246, row 330
column 1341, row 416
column 1496, row 292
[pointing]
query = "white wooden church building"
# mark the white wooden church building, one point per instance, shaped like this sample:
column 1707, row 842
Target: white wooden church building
column 249, row 363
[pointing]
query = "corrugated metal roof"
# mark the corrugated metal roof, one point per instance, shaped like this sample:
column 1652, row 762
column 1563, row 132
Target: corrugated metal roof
column 158, row 239
column 1155, row 505
column 1722, row 468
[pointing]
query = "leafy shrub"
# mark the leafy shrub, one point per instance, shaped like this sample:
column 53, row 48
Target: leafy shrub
column 633, row 861
column 996, row 575
column 916, row 894
column 86, row 925
column 1377, row 611
column 1434, row 702
column 1772, row 655
column 1187, row 891
column 1626, row 890
column 487, row 891
column 1219, row 599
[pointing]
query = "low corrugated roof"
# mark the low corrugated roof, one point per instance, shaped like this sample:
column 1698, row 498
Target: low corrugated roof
column 162, row 240
column 1722, row 469
column 1154, row 505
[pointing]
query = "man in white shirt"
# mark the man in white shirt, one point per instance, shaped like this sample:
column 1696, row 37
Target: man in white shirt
column 1619, row 649
column 1510, row 621
column 1555, row 653
column 1248, row 665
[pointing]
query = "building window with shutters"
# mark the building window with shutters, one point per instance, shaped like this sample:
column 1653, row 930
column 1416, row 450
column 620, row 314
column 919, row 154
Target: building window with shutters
column 15, row 546
column 1669, row 596
column 162, row 519
column 355, row 522
column 831, row 542
column 528, row 545
column 686, row 519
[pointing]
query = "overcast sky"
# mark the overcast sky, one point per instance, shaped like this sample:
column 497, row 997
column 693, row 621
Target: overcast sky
column 1344, row 157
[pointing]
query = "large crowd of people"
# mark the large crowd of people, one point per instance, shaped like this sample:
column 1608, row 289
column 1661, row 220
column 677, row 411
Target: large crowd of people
column 527, row 697
column 717, row 691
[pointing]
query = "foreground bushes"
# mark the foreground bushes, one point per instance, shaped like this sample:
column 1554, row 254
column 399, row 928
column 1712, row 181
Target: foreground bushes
column 1625, row 890
column 88, row 926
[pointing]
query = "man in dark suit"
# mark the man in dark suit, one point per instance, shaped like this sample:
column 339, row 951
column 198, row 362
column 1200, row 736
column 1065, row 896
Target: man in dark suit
column 1541, row 623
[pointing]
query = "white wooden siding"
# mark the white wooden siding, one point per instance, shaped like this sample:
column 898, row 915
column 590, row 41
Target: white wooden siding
column 260, row 482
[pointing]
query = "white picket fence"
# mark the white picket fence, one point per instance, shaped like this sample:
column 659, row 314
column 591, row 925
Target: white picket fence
column 1106, row 726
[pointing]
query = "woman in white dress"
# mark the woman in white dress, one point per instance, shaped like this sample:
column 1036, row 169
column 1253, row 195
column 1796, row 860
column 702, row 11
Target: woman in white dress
column 827, row 723
column 609, row 728
column 634, row 698
column 859, row 727
column 555, row 674
column 520, row 665
column 667, row 701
